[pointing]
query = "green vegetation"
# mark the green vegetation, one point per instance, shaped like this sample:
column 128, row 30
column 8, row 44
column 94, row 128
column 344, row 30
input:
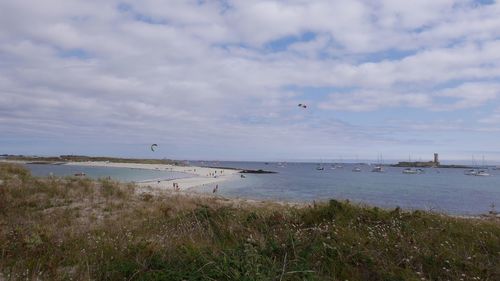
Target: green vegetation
column 78, row 229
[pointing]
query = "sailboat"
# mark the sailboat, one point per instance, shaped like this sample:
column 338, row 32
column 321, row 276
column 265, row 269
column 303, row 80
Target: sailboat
column 320, row 166
column 356, row 168
column 483, row 172
column 471, row 172
column 378, row 168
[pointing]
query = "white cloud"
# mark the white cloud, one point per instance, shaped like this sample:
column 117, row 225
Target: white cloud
column 189, row 72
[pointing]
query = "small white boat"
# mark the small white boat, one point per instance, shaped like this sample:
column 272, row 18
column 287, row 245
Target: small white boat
column 409, row 171
column 482, row 173
column 470, row 172
column 378, row 169
column 356, row 169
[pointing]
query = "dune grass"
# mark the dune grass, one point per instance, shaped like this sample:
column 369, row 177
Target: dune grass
column 79, row 229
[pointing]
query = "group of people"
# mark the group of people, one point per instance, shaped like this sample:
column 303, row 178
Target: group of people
column 176, row 186
column 214, row 174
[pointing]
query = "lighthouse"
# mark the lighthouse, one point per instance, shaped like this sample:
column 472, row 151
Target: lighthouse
column 436, row 159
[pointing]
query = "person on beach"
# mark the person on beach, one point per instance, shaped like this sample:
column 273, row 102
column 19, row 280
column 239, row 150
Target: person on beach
column 216, row 188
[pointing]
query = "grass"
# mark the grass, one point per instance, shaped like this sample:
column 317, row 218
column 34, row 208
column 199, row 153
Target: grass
column 78, row 229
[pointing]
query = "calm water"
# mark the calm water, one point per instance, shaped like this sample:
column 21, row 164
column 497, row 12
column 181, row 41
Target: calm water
column 119, row 174
column 443, row 190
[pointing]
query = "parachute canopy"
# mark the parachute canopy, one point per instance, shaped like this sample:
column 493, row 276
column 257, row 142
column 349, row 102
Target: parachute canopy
column 153, row 146
column 302, row 105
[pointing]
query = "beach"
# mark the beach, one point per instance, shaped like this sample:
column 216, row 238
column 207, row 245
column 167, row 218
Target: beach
column 200, row 175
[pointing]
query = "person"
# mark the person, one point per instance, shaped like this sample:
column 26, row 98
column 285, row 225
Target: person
column 216, row 188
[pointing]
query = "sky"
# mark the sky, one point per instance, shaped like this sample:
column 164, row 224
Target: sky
column 222, row 79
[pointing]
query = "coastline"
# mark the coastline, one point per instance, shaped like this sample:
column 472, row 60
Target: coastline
column 200, row 175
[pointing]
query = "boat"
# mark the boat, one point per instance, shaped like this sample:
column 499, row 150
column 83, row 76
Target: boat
column 410, row 171
column 378, row 169
column 79, row 174
column 470, row 172
column 320, row 166
column 482, row 173
column 356, row 169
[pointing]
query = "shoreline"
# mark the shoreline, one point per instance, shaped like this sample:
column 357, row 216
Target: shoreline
column 200, row 175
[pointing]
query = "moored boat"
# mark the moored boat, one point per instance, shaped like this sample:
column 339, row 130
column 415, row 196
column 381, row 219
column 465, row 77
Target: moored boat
column 482, row 173
column 470, row 172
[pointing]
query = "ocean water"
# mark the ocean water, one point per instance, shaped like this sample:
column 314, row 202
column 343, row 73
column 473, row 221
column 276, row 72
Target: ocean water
column 442, row 190
column 119, row 174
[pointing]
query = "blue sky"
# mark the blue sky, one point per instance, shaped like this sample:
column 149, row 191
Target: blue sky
column 222, row 79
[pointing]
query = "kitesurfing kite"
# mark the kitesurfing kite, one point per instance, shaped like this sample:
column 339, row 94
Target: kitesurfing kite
column 153, row 146
column 302, row 105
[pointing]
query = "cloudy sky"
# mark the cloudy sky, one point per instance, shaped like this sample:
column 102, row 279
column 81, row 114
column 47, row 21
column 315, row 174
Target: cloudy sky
column 209, row 79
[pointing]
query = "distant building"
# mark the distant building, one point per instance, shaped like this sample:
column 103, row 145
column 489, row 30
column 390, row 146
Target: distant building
column 420, row 164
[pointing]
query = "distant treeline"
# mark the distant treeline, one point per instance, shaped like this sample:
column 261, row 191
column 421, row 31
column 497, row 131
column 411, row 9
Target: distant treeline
column 82, row 158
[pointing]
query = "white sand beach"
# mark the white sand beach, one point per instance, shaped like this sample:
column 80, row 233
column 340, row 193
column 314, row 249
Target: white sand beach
column 200, row 175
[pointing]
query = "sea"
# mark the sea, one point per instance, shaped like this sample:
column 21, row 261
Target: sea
column 444, row 190
column 118, row 174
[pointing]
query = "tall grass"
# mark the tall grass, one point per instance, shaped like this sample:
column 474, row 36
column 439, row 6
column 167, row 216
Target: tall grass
column 78, row 229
